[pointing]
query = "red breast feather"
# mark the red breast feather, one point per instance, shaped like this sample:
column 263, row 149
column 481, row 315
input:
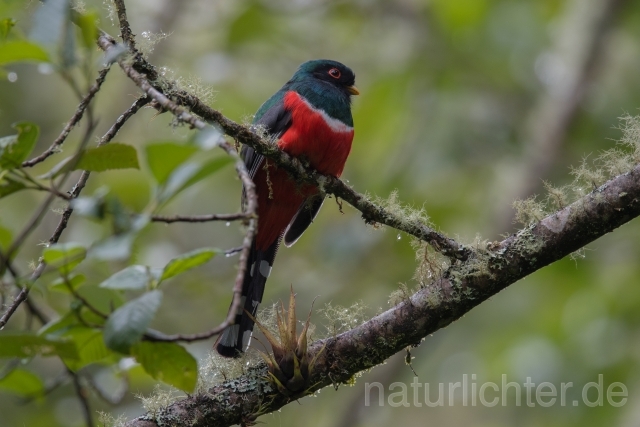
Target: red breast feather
column 323, row 141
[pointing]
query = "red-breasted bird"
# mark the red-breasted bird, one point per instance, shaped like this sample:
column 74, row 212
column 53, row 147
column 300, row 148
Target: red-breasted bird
column 311, row 118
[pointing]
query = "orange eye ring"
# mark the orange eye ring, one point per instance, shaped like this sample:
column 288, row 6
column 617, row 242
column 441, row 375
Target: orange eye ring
column 335, row 73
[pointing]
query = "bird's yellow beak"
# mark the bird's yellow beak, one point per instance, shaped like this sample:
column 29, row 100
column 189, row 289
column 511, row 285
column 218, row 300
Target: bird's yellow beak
column 353, row 90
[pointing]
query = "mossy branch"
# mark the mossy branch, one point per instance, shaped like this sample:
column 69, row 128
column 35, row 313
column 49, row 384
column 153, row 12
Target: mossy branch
column 158, row 88
column 461, row 287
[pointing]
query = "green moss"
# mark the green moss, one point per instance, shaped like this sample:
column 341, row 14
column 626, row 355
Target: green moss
column 529, row 210
column 107, row 420
column 159, row 399
column 340, row 319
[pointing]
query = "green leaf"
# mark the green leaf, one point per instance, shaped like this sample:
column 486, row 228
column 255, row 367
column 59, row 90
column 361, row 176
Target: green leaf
column 75, row 280
column 90, row 345
column 87, row 24
column 104, row 300
column 187, row 262
column 168, row 362
column 32, row 345
column 5, row 238
column 114, row 248
column 20, row 50
column 5, row 26
column 135, row 277
column 64, row 256
column 188, row 174
column 127, row 324
column 163, row 158
column 59, row 325
column 119, row 247
column 15, row 149
column 10, row 186
column 110, row 156
column 23, row 383
column 207, row 169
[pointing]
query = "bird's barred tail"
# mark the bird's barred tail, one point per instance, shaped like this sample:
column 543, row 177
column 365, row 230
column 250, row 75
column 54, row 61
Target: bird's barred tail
column 235, row 338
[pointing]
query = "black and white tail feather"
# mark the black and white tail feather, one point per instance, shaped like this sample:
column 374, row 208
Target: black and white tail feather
column 235, row 339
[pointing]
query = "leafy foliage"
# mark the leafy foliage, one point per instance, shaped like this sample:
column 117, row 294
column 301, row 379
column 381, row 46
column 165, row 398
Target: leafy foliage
column 20, row 50
column 187, row 262
column 108, row 157
column 167, row 362
column 64, row 256
column 15, row 149
column 163, row 158
column 24, row 345
column 188, row 174
column 128, row 323
column 22, row 382
column 135, row 277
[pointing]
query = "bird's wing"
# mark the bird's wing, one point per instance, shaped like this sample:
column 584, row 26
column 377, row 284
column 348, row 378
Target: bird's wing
column 303, row 218
column 276, row 120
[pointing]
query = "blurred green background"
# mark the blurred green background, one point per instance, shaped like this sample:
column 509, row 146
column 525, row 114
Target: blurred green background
column 466, row 106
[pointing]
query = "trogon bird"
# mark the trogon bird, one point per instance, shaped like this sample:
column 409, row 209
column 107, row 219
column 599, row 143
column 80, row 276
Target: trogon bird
column 310, row 117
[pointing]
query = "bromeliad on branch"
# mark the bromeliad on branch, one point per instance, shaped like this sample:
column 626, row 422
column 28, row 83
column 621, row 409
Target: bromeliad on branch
column 290, row 366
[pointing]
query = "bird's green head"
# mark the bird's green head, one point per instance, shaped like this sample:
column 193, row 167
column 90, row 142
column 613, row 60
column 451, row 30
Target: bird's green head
column 326, row 71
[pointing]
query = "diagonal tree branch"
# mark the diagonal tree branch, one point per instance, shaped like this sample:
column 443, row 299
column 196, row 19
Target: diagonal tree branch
column 150, row 83
column 461, row 287
column 199, row 218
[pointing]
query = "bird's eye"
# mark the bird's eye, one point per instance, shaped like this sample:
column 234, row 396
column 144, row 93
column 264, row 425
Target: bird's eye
column 335, row 73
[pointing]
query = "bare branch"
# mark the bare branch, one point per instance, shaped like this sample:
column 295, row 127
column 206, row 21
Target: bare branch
column 200, row 218
column 371, row 212
column 77, row 116
column 125, row 28
column 463, row 286
column 81, row 393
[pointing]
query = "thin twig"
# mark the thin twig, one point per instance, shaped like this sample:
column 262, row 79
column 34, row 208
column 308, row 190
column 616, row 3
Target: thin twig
column 107, row 43
column 77, row 116
column 33, row 224
column 75, row 192
column 371, row 212
column 153, row 335
column 82, row 299
column 125, row 28
column 81, row 393
column 200, row 218
column 36, row 185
